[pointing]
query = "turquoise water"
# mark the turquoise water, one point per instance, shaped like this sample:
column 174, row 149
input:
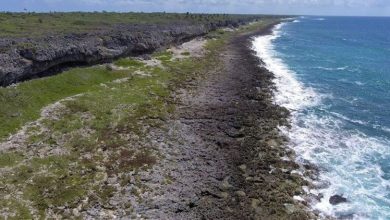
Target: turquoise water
column 333, row 73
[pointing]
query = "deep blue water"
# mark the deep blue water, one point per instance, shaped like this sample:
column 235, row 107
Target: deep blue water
column 334, row 74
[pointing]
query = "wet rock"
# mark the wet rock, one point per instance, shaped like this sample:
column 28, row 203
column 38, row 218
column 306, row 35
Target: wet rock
column 337, row 199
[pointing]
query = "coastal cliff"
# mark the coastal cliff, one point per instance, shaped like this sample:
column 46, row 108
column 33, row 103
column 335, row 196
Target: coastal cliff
column 24, row 58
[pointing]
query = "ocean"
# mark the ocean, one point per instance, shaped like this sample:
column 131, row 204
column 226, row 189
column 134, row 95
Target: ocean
column 333, row 73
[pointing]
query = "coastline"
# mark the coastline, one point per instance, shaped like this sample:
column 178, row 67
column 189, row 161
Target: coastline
column 206, row 147
column 286, row 162
column 284, row 96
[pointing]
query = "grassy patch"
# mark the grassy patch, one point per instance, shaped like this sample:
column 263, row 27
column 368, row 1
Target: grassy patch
column 9, row 159
column 23, row 103
column 46, row 191
column 164, row 56
column 111, row 112
column 25, row 24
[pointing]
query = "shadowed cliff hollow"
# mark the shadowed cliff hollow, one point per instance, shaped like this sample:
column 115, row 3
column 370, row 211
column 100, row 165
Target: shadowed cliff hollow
column 36, row 45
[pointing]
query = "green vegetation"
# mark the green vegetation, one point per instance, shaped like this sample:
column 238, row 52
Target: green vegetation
column 9, row 159
column 165, row 57
column 23, row 103
column 111, row 110
column 128, row 62
column 35, row 24
column 100, row 135
column 16, row 209
column 186, row 53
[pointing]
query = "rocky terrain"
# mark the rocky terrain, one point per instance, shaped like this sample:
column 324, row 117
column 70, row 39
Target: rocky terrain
column 186, row 133
column 24, row 58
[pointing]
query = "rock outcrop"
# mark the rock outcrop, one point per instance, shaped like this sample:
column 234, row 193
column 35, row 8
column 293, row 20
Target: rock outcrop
column 26, row 58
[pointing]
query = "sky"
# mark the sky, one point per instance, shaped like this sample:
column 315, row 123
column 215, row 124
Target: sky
column 290, row 7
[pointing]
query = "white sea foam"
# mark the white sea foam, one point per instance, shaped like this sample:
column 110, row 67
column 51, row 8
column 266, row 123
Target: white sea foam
column 386, row 129
column 350, row 160
column 359, row 83
column 332, row 68
column 345, row 118
column 291, row 93
column 298, row 198
column 347, row 157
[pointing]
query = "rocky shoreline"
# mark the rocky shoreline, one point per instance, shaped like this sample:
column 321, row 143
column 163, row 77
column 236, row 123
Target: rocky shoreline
column 26, row 58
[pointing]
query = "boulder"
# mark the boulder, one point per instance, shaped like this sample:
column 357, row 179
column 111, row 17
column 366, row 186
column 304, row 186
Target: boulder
column 337, row 199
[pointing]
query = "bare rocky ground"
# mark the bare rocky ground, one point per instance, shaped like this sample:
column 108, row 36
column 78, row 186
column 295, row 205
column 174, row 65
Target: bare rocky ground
column 194, row 48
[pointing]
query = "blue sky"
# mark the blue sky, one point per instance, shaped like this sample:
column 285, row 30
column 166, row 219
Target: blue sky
column 302, row 7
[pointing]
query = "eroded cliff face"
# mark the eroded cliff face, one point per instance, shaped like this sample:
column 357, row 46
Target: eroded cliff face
column 26, row 58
